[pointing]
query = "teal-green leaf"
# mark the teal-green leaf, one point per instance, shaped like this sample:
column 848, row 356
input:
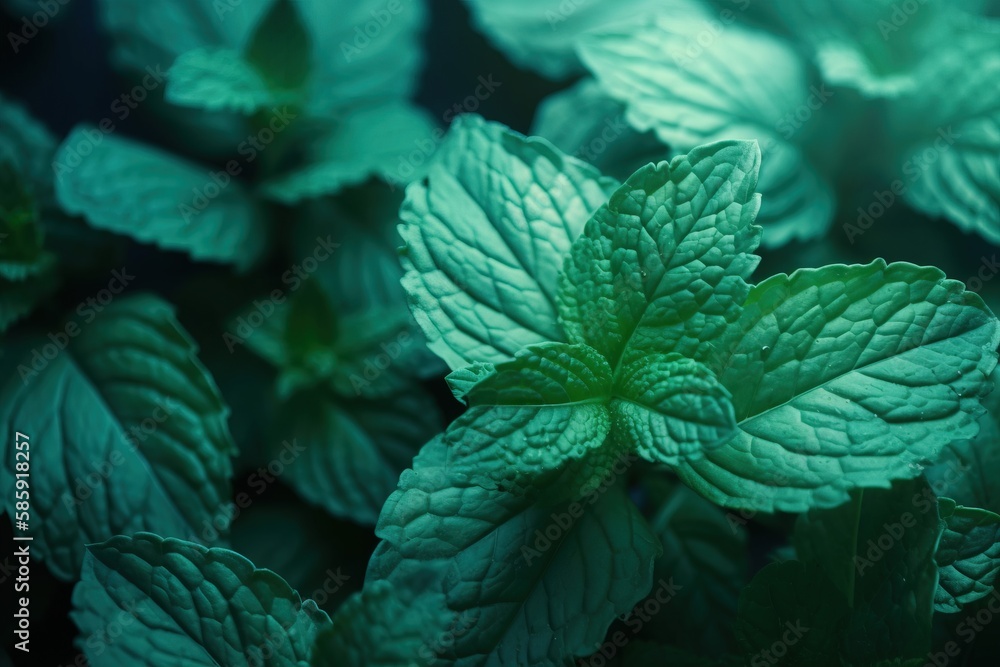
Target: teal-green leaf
column 968, row 470
column 346, row 454
column 949, row 142
column 183, row 604
column 131, row 429
column 843, row 377
column 663, row 265
column 147, row 194
column 532, row 583
column 389, row 141
column 220, row 80
column 968, row 556
column 376, row 629
column 878, row 551
column 587, row 123
column 743, row 84
column 532, row 415
column 485, row 238
column 542, row 35
column 670, row 407
column 279, row 46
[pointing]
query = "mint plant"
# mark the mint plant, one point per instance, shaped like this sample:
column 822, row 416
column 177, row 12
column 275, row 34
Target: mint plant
column 581, row 339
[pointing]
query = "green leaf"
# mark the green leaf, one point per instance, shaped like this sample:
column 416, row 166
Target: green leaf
column 152, row 196
column 671, row 408
column 878, row 551
column 532, row 583
column 485, row 236
column 663, row 265
column 870, row 45
column 969, row 470
column 533, row 415
column 968, row 556
column 843, row 377
column 384, row 141
column 184, row 604
column 585, row 122
column 311, row 327
column 707, row 555
column 690, row 93
column 542, row 35
column 346, row 455
column 349, row 67
column 375, row 629
column 133, row 429
column 949, row 141
column 219, row 80
column 279, row 47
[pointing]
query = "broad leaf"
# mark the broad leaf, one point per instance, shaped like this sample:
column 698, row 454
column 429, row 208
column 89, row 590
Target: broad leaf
column 968, row 556
column 347, row 62
column 389, row 141
column 345, row 455
column 690, row 94
column 485, row 237
column 184, row 604
column 542, row 34
column 863, row 591
column 219, row 80
column 134, row 433
column 585, row 122
column 279, row 47
column 533, row 415
column 531, row 583
column 878, row 551
column 949, row 141
column 663, row 265
column 152, row 196
column 375, row 629
column 669, row 407
column 843, row 377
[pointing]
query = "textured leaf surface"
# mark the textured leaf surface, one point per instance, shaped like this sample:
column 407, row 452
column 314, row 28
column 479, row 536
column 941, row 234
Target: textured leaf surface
column 134, row 434
column 669, row 407
column 154, row 197
column 185, row 604
column 845, row 376
column 375, row 629
column 968, row 556
column 663, row 265
column 520, row 600
column 485, row 238
column 530, row 416
column 691, row 94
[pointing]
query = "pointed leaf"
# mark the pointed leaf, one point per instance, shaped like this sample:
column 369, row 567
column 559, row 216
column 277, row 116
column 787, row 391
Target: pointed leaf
column 485, row 237
column 843, row 377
